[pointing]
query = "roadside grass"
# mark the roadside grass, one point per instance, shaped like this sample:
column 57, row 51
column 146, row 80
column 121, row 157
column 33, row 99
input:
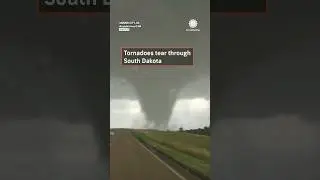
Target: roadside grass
column 193, row 151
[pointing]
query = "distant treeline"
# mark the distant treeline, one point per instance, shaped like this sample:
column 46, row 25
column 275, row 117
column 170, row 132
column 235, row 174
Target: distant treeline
column 201, row 131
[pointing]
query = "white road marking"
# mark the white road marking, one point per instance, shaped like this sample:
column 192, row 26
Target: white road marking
column 165, row 164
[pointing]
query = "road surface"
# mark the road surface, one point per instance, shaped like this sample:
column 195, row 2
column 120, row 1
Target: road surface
column 130, row 160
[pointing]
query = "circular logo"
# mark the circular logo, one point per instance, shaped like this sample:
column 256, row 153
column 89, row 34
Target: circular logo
column 193, row 23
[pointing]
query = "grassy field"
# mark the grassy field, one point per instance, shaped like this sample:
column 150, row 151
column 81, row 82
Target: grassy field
column 190, row 150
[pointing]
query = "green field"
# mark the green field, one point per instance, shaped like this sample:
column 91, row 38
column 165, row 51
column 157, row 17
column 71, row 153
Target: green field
column 190, row 150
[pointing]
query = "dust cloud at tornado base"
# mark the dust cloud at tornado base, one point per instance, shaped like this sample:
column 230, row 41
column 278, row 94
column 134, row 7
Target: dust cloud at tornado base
column 46, row 148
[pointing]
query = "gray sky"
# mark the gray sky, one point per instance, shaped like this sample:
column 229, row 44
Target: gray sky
column 187, row 113
column 163, row 24
column 264, row 74
column 192, row 109
column 266, row 96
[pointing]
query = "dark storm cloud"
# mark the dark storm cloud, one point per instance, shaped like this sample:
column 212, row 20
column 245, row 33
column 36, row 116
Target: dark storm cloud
column 47, row 149
column 122, row 89
column 262, row 66
column 265, row 62
column 52, row 67
column 157, row 87
column 265, row 99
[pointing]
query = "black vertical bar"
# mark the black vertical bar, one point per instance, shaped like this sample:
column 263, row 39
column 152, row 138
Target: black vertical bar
column 236, row 6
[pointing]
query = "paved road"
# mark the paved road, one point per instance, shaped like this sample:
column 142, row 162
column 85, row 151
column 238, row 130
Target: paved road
column 130, row 160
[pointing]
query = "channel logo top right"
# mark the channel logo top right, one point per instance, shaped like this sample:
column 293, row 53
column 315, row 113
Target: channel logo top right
column 193, row 25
